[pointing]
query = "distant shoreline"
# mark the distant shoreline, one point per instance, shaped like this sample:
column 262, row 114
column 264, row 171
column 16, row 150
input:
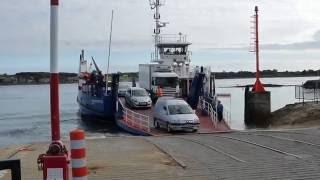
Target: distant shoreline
column 38, row 78
column 264, row 77
column 27, row 84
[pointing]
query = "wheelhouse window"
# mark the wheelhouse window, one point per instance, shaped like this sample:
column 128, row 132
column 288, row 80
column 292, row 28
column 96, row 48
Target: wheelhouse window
column 166, row 81
column 173, row 50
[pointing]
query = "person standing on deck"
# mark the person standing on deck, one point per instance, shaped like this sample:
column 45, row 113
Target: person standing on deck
column 220, row 111
column 159, row 91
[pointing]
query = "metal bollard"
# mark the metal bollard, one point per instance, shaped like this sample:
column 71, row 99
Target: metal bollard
column 78, row 155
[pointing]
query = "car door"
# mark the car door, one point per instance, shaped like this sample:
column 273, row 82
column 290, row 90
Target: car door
column 163, row 115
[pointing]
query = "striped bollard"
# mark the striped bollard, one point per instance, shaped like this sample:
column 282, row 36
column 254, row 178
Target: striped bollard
column 78, row 155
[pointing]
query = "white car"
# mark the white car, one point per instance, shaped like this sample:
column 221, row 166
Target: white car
column 175, row 114
column 122, row 89
column 138, row 97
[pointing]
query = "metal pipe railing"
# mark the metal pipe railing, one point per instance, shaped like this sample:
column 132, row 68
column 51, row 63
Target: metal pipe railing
column 213, row 114
column 136, row 119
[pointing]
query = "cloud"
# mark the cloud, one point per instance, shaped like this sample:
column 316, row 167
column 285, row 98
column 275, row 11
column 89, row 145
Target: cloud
column 209, row 23
column 306, row 45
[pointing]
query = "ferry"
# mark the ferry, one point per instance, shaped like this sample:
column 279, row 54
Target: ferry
column 171, row 71
column 96, row 98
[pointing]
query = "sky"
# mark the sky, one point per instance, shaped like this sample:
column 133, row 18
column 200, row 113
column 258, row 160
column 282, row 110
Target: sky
column 218, row 30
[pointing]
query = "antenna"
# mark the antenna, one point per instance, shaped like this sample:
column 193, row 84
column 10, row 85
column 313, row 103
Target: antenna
column 109, row 51
column 258, row 87
column 156, row 4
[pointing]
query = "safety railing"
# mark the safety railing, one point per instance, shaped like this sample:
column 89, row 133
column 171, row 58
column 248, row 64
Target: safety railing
column 227, row 116
column 207, row 107
column 172, row 38
column 227, row 109
column 136, row 120
column 210, row 109
column 307, row 94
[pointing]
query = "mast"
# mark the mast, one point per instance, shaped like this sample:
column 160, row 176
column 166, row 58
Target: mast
column 109, row 50
column 258, row 86
column 257, row 42
column 155, row 4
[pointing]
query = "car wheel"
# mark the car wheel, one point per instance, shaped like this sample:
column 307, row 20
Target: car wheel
column 155, row 123
column 168, row 128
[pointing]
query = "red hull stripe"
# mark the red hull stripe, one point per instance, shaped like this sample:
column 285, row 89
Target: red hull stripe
column 77, row 134
column 78, row 153
column 54, row 101
column 79, row 172
column 55, row 2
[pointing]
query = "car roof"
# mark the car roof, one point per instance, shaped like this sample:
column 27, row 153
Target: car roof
column 172, row 100
column 136, row 88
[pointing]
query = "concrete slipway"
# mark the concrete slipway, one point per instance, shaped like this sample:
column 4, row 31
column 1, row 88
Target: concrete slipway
column 293, row 154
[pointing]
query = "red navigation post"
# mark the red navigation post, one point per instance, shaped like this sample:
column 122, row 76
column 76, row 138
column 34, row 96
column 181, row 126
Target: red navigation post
column 55, row 162
column 258, row 86
column 54, row 74
column 257, row 106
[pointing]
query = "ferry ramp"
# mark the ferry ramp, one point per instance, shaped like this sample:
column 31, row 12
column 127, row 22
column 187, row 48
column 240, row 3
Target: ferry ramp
column 206, row 124
column 282, row 154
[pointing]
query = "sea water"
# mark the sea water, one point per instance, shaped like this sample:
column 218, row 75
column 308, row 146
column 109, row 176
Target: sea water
column 25, row 109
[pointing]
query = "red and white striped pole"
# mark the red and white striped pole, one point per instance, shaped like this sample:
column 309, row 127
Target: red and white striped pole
column 54, row 74
column 78, row 155
column 55, row 162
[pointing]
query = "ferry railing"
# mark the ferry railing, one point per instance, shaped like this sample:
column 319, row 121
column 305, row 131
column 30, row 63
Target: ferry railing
column 207, row 107
column 153, row 57
column 226, row 109
column 172, row 38
column 136, row 120
column 210, row 109
column 307, row 94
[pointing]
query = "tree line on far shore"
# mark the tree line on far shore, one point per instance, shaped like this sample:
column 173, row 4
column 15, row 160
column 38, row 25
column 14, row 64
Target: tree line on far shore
column 266, row 73
column 44, row 77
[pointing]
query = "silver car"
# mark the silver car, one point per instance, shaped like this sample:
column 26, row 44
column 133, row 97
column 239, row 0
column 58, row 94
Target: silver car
column 175, row 114
column 122, row 89
column 138, row 97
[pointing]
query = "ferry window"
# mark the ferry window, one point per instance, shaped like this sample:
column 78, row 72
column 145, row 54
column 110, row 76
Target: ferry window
column 183, row 51
column 166, row 81
column 168, row 50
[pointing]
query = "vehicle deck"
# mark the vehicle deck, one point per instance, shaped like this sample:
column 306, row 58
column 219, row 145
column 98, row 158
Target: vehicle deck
column 206, row 124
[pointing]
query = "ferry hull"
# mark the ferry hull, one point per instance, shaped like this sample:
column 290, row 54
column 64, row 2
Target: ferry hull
column 95, row 107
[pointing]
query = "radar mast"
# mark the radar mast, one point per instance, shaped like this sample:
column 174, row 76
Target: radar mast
column 155, row 5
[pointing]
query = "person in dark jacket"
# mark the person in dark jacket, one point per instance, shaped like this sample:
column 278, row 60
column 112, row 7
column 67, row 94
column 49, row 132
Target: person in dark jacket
column 220, row 111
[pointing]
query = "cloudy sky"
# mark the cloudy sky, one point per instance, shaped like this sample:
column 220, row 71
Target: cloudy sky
column 219, row 32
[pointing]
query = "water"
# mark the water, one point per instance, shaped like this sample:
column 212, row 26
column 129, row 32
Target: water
column 25, row 114
column 24, row 110
column 280, row 96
